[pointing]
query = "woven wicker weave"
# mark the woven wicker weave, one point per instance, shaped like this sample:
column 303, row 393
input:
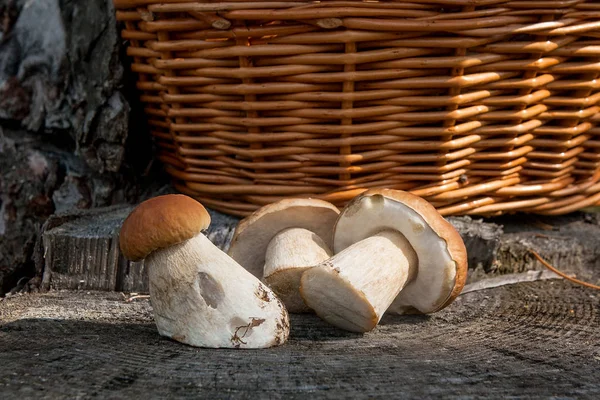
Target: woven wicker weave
column 479, row 106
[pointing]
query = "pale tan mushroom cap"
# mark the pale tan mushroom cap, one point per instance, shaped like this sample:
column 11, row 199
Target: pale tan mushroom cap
column 253, row 233
column 161, row 222
column 441, row 251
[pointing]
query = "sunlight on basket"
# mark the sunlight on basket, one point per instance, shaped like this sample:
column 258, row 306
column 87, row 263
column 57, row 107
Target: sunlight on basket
column 479, row 106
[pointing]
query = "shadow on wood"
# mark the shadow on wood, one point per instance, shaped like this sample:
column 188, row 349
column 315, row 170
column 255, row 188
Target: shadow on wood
column 504, row 342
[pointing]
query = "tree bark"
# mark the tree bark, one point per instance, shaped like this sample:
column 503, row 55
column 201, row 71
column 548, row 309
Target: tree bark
column 65, row 138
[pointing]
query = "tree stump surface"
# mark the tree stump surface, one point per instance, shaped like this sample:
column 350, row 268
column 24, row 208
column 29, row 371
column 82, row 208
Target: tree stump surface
column 529, row 340
column 80, row 250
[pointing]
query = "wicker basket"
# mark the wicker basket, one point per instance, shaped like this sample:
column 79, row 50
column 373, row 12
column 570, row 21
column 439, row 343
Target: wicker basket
column 479, row 106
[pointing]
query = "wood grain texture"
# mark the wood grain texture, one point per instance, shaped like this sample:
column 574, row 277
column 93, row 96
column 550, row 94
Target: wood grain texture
column 84, row 254
column 532, row 340
column 81, row 251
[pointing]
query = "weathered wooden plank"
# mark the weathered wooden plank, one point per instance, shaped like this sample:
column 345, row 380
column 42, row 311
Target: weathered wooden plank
column 535, row 340
column 81, row 251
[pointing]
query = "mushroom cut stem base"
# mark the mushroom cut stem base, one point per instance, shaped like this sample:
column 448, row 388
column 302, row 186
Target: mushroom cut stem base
column 289, row 254
column 201, row 297
column 354, row 288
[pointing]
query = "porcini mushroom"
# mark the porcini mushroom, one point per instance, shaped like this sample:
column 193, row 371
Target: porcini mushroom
column 281, row 240
column 394, row 252
column 199, row 295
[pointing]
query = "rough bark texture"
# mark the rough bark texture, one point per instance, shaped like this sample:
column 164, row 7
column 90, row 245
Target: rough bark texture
column 527, row 341
column 66, row 141
column 60, row 73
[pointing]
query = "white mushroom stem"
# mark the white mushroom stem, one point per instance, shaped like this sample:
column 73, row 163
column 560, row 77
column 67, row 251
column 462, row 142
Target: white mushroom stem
column 202, row 297
column 289, row 254
column 354, row 288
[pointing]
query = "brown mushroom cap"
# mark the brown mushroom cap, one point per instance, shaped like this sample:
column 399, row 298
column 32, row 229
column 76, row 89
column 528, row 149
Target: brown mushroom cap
column 379, row 209
column 161, row 222
column 253, row 233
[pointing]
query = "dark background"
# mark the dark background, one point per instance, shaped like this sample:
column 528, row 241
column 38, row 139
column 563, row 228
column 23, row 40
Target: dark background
column 72, row 134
